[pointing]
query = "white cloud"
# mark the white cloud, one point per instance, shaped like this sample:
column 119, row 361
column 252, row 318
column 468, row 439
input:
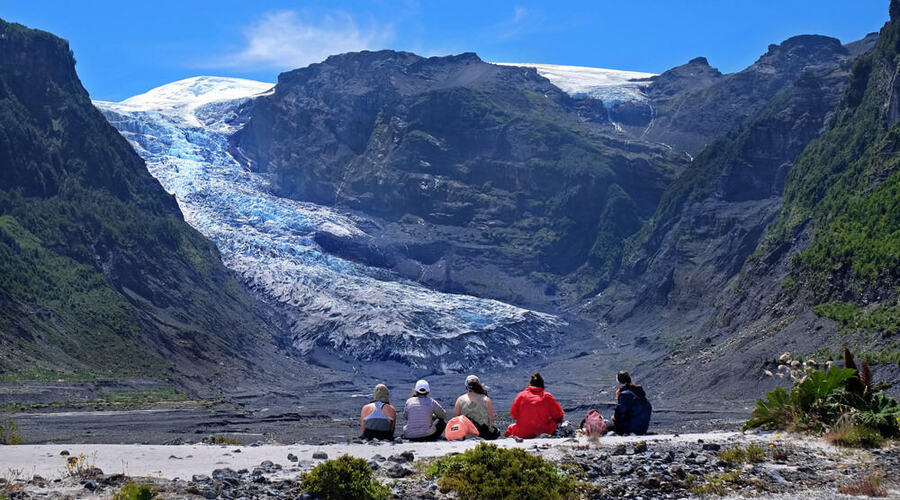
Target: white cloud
column 288, row 39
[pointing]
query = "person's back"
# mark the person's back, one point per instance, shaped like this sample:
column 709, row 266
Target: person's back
column 378, row 418
column 633, row 410
column 425, row 418
column 477, row 407
column 535, row 410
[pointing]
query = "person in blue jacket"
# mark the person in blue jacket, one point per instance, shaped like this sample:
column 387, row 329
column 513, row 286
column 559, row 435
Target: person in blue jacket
column 632, row 414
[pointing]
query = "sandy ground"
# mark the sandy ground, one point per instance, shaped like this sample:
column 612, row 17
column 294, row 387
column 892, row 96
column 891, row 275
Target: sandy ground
column 183, row 461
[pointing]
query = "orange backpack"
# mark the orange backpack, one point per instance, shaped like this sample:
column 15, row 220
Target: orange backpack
column 460, row 428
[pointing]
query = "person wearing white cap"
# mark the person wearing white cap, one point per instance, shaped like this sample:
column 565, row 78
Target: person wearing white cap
column 425, row 417
column 477, row 407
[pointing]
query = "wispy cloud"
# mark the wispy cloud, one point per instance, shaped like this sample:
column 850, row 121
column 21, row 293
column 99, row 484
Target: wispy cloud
column 515, row 24
column 290, row 39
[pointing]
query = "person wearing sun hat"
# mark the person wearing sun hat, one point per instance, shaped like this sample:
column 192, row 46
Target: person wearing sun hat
column 425, row 417
column 378, row 418
column 477, row 407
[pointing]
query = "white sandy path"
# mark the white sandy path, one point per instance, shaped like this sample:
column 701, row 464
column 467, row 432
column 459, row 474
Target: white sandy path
column 155, row 460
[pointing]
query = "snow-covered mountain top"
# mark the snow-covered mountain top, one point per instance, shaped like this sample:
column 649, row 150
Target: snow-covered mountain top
column 184, row 97
column 604, row 84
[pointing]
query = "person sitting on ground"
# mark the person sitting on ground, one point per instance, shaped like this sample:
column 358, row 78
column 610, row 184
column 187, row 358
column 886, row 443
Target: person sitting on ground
column 378, row 418
column 632, row 414
column 425, row 417
column 535, row 411
column 477, row 407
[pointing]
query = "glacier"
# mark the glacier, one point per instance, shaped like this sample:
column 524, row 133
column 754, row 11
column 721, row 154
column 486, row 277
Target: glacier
column 339, row 307
column 608, row 85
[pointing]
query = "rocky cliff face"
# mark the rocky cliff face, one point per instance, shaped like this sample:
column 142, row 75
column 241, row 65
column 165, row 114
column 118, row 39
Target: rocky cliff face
column 691, row 105
column 498, row 176
column 99, row 273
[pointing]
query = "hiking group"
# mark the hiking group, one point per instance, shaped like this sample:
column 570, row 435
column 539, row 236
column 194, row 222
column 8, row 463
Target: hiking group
column 534, row 410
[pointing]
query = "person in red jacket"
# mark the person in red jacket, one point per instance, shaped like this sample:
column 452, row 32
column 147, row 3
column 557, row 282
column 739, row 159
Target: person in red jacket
column 535, row 411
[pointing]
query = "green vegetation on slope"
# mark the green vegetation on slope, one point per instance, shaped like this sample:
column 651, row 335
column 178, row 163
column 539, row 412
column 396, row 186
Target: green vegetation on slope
column 847, row 185
column 99, row 274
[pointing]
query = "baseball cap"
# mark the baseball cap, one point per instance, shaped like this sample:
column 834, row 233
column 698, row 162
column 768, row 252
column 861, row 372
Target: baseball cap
column 422, row 387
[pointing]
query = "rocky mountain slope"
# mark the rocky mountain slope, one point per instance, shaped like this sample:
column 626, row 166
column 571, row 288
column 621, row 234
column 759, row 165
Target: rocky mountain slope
column 99, row 274
column 689, row 106
column 336, row 308
column 487, row 180
column 771, row 230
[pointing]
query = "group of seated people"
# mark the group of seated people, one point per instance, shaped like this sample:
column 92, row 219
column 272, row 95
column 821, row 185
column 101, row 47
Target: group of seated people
column 535, row 411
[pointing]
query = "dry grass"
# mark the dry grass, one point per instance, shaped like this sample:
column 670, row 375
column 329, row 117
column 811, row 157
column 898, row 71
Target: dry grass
column 870, row 486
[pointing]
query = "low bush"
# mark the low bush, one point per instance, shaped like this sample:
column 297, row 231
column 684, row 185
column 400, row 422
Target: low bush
column 222, row 440
column 490, row 472
column 134, row 491
column 751, row 454
column 342, row 478
column 9, row 433
column 848, row 434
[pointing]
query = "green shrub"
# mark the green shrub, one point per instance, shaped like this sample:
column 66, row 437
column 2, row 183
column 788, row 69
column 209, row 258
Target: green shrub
column 344, row 477
column 134, row 491
column 490, row 472
column 9, row 433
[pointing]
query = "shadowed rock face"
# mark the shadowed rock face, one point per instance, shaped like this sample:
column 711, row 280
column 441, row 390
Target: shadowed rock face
column 493, row 164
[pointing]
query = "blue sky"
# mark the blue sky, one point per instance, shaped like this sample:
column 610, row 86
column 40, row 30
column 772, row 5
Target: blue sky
column 127, row 47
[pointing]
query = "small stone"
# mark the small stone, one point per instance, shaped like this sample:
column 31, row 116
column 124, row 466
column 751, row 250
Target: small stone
column 292, row 458
column 640, row 447
column 619, row 450
column 64, row 453
column 373, row 465
column 712, row 447
column 651, row 482
column 238, row 450
column 700, row 459
column 37, row 479
column 90, row 485
column 320, row 455
column 378, row 458
column 677, row 471
column 520, row 440
column 210, row 494
column 397, row 470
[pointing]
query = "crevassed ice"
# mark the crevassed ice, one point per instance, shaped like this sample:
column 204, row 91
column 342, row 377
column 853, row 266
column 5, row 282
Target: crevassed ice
column 367, row 313
column 609, row 85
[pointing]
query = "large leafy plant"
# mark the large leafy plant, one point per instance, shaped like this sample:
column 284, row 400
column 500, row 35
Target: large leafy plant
column 823, row 399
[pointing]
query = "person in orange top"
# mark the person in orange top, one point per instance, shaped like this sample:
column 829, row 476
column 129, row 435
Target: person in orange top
column 535, row 411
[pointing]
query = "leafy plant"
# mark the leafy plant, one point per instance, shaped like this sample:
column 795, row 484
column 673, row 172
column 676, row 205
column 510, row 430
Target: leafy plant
column 844, row 402
column 344, row 477
column 134, row 491
column 490, row 472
